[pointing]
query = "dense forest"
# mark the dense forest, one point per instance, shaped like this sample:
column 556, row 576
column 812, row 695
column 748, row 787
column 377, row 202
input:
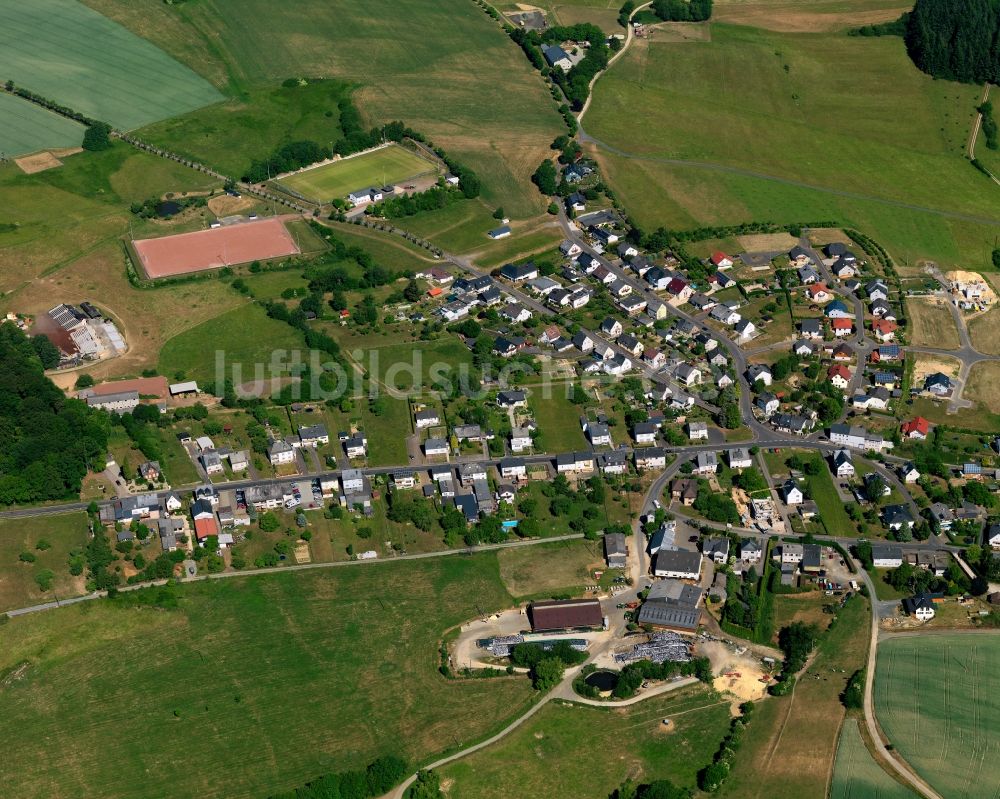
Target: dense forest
column 47, row 441
column 956, row 39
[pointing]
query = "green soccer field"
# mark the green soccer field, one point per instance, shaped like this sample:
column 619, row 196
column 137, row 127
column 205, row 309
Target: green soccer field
column 380, row 168
column 937, row 698
column 62, row 50
column 27, row 128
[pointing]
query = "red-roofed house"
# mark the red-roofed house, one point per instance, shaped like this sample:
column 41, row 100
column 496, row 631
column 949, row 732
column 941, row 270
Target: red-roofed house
column 884, row 329
column 918, row 427
column 203, row 528
column 721, row 260
column 818, row 292
column 435, row 292
column 839, row 375
column 842, row 327
column 679, row 290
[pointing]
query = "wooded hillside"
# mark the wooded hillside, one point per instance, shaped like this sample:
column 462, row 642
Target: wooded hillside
column 956, row 39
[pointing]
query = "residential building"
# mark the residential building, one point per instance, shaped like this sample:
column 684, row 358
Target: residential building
column 706, row 463
column 684, row 490
column 843, row 464
column 615, row 551
column 356, row 445
column 920, row 606
column 519, row 273
column 513, row 469
column 717, row 550
column 739, row 458
column 436, row 447
column 615, row 462
column 520, row 439
column 313, row 435
column 280, row 452
column 650, row 458
column 679, row 564
column 791, row 492
column 426, row 418
column 917, row 427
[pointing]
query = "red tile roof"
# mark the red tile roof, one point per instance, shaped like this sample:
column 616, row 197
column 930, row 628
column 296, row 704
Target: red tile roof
column 839, row 369
column 718, row 257
column 916, row 425
column 842, row 324
column 203, row 528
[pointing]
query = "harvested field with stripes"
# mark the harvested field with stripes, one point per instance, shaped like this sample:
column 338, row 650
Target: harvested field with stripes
column 63, row 51
column 937, row 698
column 856, row 774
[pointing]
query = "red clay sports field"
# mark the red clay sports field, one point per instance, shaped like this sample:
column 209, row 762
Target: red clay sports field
column 255, row 240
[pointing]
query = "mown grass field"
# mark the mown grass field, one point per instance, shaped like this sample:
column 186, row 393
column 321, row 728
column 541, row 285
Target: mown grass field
column 245, row 336
column 18, row 587
column 568, row 751
column 984, row 331
column 27, row 128
column 806, row 16
column 792, row 744
column 981, row 387
column 383, row 167
column 937, row 698
column 732, row 102
column 280, row 678
column 856, row 774
column 62, row 50
column 560, row 567
column 441, row 66
column 931, row 324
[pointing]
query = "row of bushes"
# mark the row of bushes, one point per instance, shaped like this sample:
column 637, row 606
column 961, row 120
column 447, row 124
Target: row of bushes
column 381, row 776
column 714, row 774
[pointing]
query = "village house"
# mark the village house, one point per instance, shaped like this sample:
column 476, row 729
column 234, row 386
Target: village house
column 513, row 469
column 706, row 463
column 679, row 564
column 280, row 452
column 512, row 398
column 917, row 427
column 650, row 458
column 684, row 490
column 739, row 458
column 612, row 462
column 843, row 464
column 574, row 462
column 698, row 431
column 356, row 446
column 839, row 375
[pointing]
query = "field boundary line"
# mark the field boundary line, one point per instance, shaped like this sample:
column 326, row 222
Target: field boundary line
column 467, row 551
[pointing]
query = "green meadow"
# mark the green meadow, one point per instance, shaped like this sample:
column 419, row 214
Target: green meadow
column 442, row 66
column 246, row 336
column 276, row 679
column 755, row 124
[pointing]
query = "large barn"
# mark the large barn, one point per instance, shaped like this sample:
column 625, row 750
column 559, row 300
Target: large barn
column 565, row 614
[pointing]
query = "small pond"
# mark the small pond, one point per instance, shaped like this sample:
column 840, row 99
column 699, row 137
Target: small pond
column 168, row 208
column 602, row 680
